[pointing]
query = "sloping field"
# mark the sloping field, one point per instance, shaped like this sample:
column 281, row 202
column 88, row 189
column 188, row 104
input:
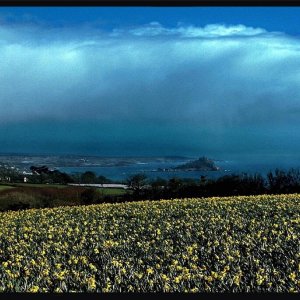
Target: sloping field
column 215, row 244
column 5, row 187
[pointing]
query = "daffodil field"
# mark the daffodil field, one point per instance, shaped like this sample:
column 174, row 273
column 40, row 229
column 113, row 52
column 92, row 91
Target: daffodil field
column 191, row 245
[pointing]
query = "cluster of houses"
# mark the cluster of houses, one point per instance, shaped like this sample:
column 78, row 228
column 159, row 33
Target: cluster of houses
column 5, row 177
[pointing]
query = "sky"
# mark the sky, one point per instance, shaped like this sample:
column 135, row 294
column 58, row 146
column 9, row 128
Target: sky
column 146, row 81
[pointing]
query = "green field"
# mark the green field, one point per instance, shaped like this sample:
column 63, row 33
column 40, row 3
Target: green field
column 5, row 187
column 24, row 196
column 16, row 185
column 101, row 191
column 230, row 244
column 38, row 185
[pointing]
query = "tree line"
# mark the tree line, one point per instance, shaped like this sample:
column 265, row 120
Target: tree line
column 276, row 182
column 143, row 188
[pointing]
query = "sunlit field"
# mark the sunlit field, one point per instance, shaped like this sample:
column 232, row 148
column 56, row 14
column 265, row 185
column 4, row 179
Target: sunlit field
column 191, row 245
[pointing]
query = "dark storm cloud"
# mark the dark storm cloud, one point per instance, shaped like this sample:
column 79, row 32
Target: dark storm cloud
column 214, row 80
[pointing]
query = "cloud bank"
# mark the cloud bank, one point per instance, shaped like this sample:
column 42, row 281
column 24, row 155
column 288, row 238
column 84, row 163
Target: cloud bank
column 218, row 83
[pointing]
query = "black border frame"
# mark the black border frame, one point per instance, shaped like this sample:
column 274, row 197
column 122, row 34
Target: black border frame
column 150, row 3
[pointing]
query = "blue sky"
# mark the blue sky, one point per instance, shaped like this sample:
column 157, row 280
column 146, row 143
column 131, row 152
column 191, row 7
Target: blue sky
column 150, row 80
column 284, row 19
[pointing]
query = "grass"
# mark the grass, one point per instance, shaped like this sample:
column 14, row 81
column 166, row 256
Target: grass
column 5, row 187
column 39, row 185
column 24, row 195
column 102, row 191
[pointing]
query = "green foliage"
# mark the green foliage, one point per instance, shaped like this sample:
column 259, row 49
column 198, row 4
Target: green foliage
column 136, row 182
column 88, row 177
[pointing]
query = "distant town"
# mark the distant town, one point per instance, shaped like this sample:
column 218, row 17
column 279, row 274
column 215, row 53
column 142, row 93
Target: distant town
column 26, row 168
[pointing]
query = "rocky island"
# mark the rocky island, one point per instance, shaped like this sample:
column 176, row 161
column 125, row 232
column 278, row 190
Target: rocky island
column 201, row 164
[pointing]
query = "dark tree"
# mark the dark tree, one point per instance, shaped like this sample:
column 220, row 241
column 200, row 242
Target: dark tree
column 137, row 182
column 102, row 179
column 158, row 187
column 174, row 186
column 88, row 177
column 60, row 177
column 284, row 182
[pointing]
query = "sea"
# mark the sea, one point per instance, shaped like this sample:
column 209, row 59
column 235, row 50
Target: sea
column 119, row 169
column 161, row 169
